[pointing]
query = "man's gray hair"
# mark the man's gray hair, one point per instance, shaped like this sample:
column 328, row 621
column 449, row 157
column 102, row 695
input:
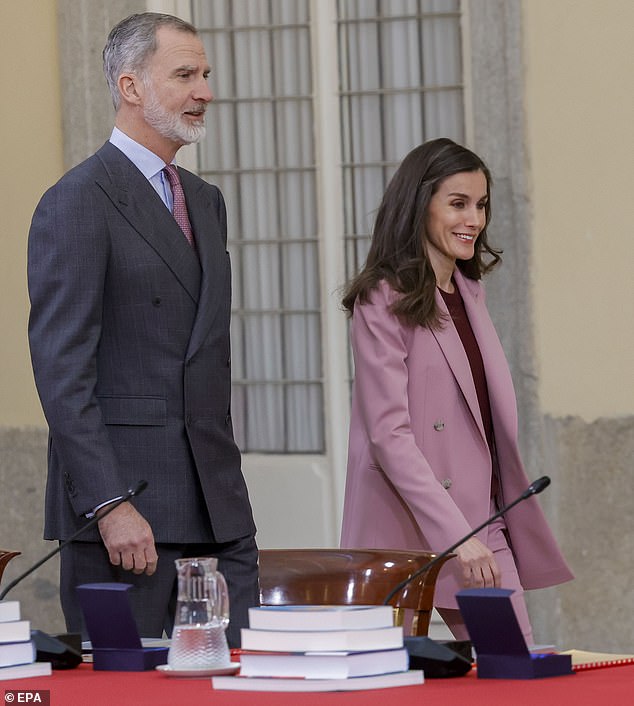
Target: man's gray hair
column 131, row 43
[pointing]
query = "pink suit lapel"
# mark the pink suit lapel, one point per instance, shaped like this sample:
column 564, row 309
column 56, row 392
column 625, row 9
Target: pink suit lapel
column 499, row 382
column 453, row 350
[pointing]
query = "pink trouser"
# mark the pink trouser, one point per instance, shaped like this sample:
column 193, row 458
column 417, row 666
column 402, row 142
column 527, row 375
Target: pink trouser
column 498, row 544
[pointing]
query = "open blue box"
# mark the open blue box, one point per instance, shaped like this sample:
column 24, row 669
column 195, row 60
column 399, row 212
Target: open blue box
column 500, row 646
column 113, row 632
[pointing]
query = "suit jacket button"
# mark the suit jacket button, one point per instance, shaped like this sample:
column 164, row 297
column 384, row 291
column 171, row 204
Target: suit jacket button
column 447, row 483
column 156, row 301
column 439, row 425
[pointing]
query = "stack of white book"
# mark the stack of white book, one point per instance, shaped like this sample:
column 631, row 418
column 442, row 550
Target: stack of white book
column 17, row 651
column 321, row 648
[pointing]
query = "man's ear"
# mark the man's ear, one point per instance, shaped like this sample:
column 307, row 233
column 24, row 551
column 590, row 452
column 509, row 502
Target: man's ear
column 130, row 88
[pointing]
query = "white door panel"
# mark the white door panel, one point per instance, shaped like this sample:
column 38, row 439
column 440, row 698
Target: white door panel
column 292, row 500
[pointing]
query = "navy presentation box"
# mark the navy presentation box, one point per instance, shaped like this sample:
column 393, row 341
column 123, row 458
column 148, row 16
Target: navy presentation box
column 500, row 647
column 113, row 632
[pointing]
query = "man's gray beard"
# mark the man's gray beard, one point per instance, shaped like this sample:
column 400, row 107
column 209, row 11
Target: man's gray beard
column 171, row 125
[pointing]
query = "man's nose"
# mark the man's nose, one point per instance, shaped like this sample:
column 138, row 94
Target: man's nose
column 203, row 91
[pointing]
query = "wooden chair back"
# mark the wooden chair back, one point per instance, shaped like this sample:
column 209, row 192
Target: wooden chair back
column 5, row 557
column 350, row 577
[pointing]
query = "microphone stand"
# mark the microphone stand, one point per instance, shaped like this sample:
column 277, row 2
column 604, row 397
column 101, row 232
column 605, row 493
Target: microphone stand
column 448, row 660
column 534, row 488
column 131, row 493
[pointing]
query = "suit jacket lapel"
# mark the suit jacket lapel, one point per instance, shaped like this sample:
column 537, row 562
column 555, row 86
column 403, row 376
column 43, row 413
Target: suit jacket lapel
column 454, row 352
column 210, row 242
column 496, row 369
column 137, row 201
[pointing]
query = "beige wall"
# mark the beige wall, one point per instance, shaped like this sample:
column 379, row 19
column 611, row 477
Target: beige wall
column 580, row 121
column 30, row 125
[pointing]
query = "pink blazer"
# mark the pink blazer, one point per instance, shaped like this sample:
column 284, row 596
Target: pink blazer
column 419, row 468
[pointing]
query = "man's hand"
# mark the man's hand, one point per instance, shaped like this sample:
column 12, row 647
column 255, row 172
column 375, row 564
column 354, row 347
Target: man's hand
column 479, row 568
column 129, row 539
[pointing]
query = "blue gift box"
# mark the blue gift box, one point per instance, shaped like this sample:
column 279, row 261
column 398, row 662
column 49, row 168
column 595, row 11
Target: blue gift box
column 500, row 646
column 113, row 632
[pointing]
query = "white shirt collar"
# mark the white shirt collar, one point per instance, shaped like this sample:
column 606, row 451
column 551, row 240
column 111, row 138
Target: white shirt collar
column 148, row 163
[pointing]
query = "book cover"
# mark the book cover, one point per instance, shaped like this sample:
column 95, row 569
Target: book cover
column 9, row 610
column 582, row 659
column 382, row 681
column 22, row 671
column 318, row 617
column 318, row 641
column 17, row 653
column 15, row 631
column 323, row 665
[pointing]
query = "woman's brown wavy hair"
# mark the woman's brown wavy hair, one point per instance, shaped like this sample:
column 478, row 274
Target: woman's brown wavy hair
column 398, row 252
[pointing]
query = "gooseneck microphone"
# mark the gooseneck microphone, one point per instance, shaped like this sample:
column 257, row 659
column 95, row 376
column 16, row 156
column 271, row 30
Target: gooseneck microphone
column 534, row 488
column 130, row 493
column 450, row 659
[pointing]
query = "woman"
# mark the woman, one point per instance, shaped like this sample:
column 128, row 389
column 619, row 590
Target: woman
column 433, row 436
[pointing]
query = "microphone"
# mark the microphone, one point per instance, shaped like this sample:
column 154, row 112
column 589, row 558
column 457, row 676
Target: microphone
column 130, row 493
column 534, row 488
column 449, row 659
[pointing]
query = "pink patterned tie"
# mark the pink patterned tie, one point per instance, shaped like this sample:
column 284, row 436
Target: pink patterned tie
column 180, row 207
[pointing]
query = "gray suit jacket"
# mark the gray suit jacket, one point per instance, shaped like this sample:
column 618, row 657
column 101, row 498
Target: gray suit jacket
column 129, row 335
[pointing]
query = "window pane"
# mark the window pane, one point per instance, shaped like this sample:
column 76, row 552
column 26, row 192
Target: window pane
column 401, row 84
column 259, row 151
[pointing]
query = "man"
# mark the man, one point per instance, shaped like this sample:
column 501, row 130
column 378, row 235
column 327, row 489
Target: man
column 129, row 335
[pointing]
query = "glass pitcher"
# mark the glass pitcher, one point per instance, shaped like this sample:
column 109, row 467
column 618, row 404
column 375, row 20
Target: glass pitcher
column 202, row 616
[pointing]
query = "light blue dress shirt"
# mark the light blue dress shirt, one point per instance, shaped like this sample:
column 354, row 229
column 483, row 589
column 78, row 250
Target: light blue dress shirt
column 149, row 164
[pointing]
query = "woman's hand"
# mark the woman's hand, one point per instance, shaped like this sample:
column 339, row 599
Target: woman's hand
column 479, row 568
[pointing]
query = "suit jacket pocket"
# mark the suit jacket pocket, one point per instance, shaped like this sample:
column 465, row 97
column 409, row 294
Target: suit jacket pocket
column 137, row 411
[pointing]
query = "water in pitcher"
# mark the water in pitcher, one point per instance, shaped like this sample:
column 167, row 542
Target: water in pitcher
column 198, row 647
column 202, row 616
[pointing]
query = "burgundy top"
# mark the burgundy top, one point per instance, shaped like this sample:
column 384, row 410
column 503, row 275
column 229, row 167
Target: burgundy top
column 461, row 322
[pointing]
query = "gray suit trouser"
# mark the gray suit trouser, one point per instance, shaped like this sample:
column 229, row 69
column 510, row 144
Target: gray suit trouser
column 153, row 598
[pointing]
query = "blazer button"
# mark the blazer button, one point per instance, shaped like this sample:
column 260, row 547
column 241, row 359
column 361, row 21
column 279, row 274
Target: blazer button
column 447, row 483
column 439, row 425
column 156, row 301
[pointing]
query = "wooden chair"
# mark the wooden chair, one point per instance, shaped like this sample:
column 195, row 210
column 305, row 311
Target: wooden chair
column 5, row 557
column 350, row 577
